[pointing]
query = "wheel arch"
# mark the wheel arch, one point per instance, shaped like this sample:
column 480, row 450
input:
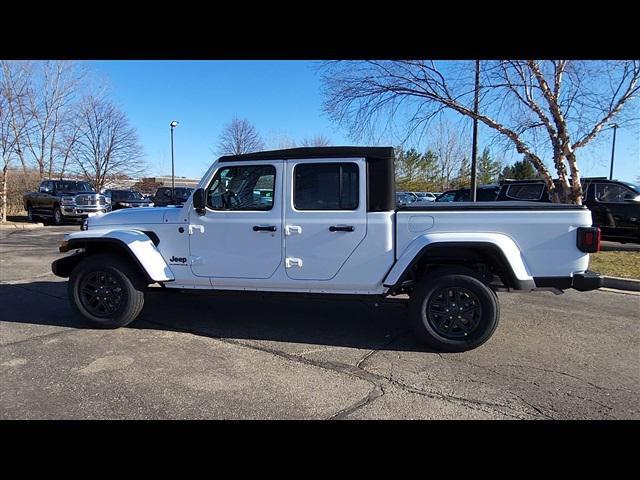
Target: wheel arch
column 136, row 246
column 502, row 256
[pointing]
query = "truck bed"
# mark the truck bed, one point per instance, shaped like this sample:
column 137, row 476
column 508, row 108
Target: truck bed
column 515, row 205
column 544, row 233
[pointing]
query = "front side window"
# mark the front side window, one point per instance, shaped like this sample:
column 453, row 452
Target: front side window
column 525, row 191
column 611, row 192
column 242, row 188
column 326, row 186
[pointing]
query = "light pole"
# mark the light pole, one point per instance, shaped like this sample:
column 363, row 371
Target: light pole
column 474, row 148
column 173, row 125
column 613, row 148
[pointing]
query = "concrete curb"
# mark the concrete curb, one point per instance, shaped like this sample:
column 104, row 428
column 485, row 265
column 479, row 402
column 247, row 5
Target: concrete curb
column 20, row 226
column 622, row 283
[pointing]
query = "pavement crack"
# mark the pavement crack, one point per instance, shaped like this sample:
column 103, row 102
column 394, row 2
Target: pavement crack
column 376, row 392
column 32, row 339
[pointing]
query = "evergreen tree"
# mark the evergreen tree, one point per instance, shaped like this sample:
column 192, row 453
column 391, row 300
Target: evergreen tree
column 488, row 169
column 463, row 179
column 520, row 170
column 415, row 171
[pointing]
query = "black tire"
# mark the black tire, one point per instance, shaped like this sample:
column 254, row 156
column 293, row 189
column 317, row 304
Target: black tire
column 58, row 219
column 121, row 284
column 434, row 320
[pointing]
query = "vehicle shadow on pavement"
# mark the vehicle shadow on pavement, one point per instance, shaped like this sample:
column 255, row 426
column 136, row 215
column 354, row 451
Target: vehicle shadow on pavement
column 326, row 322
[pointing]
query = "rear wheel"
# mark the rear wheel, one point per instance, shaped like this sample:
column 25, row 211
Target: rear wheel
column 106, row 291
column 453, row 310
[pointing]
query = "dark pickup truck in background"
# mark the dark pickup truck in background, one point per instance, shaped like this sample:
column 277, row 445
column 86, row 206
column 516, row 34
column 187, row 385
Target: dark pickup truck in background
column 64, row 199
column 163, row 198
column 614, row 205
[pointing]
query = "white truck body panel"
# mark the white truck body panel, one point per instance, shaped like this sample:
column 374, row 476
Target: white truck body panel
column 220, row 250
column 536, row 243
column 139, row 244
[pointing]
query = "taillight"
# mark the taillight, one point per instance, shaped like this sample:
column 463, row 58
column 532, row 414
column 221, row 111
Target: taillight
column 589, row 239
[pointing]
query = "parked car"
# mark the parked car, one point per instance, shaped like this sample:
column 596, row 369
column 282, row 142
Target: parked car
column 126, row 199
column 60, row 200
column 332, row 228
column 163, row 197
column 614, row 205
column 484, row 193
column 405, row 198
column 425, row 196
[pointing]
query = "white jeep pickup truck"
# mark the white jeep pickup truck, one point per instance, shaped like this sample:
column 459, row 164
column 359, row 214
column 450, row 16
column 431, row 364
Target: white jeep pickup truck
column 324, row 221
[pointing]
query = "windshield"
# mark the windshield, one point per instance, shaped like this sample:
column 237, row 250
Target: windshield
column 73, row 187
column 634, row 187
column 127, row 195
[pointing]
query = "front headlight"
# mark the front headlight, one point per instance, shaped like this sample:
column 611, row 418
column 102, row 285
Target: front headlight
column 125, row 204
column 107, row 200
column 67, row 200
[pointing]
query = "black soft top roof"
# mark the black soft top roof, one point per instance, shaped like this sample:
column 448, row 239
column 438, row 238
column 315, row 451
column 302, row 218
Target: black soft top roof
column 372, row 153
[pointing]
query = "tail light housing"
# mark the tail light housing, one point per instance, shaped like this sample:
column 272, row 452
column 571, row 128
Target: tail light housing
column 589, row 239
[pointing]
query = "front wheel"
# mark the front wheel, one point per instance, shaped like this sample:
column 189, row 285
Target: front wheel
column 453, row 310
column 57, row 216
column 30, row 216
column 106, row 291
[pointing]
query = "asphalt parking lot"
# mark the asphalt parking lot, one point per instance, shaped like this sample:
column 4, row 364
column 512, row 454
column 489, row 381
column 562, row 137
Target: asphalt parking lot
column 572, row 356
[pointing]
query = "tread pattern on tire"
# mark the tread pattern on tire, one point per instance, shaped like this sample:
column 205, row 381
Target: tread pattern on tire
column 134, row 291
column 431, row 283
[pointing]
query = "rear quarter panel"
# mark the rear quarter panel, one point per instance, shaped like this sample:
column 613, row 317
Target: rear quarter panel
column 546, row 239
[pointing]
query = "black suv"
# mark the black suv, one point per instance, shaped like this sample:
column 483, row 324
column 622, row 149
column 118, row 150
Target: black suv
column 162, row 198
column 484, row 193
column 126, row 199
column 614, row 205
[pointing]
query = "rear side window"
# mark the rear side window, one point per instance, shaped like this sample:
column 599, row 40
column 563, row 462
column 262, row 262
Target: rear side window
column 611, row 192
column 326, row 186
column 525, row 191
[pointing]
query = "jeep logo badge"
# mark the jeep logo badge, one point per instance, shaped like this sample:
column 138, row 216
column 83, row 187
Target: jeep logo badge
column 178, row 259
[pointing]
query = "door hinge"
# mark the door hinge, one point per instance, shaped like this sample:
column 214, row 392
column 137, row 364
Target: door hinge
column 200, row 228
column 292, row 262
column 291, row 229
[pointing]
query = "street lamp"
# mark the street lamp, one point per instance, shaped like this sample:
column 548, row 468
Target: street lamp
column 615, row 126
column 173, row 125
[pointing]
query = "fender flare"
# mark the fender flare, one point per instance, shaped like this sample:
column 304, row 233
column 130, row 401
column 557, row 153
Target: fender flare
column 137, row 244
column 502, row 245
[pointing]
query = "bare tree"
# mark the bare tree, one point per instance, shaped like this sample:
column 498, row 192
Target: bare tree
column 239, row 137
column 50, row 106
column 543, row 108
column 13, row 88
column 316, row 141
column 449, row 145
column 106, row 145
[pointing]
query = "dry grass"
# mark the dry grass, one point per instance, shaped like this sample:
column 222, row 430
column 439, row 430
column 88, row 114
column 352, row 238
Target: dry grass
column 616, row 264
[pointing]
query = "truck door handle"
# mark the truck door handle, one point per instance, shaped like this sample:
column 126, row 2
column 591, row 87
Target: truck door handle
column 341, row 228
column 268, row 228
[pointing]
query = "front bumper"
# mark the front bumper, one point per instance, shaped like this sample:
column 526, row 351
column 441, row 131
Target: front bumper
column 582, row 282
column 75, row 211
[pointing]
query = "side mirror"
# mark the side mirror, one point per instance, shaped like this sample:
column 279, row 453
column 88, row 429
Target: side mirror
column 200, row 200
